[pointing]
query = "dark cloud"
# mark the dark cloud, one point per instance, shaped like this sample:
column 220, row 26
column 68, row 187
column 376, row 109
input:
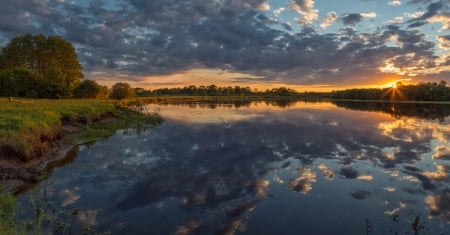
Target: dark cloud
column 286, row 26
column 433, row 9
column 348, row 172
column 419, row 1
column 352, row 19
column 417, row 24
column 137, row 37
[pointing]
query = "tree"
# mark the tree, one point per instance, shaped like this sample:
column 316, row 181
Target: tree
column 121, row 90
column 18, row 82
column 51, row 58
column 89, row 89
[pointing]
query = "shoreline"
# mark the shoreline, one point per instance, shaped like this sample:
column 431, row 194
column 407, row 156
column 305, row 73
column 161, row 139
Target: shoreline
column 19, row 172
column 14, row 174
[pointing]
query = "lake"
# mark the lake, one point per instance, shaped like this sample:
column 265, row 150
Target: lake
column 265, row 168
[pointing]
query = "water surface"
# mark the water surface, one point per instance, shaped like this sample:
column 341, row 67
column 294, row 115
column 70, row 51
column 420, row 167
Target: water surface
column 260, row 168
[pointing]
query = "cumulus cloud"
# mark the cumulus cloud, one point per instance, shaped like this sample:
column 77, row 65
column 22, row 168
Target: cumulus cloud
column 444, row 19
column 435, row 12
column 396, row 20
column 306, row 9
column 279, row 11
column 369, row 15
column 395, row 2
column 416, row 14
column 139, row 38
column 329, row 19
column 264, row 6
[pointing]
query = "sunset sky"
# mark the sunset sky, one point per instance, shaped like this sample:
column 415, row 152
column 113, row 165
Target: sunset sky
column 304, row 44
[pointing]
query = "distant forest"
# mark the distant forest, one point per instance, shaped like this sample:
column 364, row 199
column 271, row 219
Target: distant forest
column 213, row 90
column 420, row 92
column 431, row 91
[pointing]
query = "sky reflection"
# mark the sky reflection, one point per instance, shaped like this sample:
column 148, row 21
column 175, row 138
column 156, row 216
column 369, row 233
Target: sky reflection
column 259, row 169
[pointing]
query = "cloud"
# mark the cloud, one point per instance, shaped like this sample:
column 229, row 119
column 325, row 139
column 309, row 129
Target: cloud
column 436, row 12
column 352, row 19
column 416, row 14
column 395, row 2
column 355, row 18
column 329, row 19
column 134, row 39
column 287, row 26
column 279, row 11
column 264, row 6
column 369, row 15
column 396, row 20
column 419, row 1
column 444, row 19
column 306, row 9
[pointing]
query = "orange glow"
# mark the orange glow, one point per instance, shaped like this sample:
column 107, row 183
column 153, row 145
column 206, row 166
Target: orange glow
column 227, row 113
column 393, row 84
column 206, row 77
column 224, row 78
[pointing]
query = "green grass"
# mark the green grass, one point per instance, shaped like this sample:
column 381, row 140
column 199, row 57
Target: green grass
column 25, row 122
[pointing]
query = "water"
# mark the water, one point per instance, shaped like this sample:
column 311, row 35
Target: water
column 266, row 168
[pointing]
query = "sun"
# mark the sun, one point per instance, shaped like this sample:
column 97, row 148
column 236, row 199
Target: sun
column 392, row 85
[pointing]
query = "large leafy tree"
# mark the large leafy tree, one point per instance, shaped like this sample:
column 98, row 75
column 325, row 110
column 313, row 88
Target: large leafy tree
column 122, row 90
column 18, row 82
column 52, row 59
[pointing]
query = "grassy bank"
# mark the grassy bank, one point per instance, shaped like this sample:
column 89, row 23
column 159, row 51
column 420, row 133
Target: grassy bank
column 28, row 126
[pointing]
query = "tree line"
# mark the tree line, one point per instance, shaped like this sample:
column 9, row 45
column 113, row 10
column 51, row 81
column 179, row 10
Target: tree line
column 213, row 90
column 430, row 91
column 37, row 66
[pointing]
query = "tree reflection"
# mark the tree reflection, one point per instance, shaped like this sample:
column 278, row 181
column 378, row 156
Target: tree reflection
column 219, row 175
column 398, row 110
column 228, row 103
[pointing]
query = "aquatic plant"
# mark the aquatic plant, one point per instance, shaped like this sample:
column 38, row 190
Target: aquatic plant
column 44, row 218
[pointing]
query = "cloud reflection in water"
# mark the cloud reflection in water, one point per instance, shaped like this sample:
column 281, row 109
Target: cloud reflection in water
column 215, row 171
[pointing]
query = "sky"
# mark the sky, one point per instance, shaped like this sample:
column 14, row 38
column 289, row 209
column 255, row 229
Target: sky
column 319, row 45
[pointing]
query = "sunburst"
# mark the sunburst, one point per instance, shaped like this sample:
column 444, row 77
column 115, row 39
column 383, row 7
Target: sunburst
column 394, row 92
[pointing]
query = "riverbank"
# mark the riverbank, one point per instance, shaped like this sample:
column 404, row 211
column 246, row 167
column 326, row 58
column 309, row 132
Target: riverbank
column 35, row 133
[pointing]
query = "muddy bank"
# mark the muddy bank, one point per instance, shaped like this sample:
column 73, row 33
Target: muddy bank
column 18, row 176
